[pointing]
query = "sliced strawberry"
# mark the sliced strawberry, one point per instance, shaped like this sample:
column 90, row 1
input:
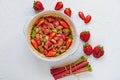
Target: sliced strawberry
column 68, row 11
column 87, row 19
column 37, row 5
column 98, row 51
column 40, row 21
column 87, row 48
column 68, row 43
column 34, row 43
column 58, row 6
column 64, row 24
column 81, row 15
column 51, row 53
column 52, row 34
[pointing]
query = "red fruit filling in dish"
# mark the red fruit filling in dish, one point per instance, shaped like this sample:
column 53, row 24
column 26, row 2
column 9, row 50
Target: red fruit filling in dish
column 51, row 36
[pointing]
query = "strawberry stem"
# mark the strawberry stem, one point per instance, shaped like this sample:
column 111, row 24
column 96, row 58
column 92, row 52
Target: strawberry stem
column 85, row 32
column 101, row 47
column 86, row 44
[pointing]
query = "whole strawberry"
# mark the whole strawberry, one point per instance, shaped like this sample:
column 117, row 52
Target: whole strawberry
column 67, row 11
column 37, row 5
column 59, row 5
column 85, row 36
column 98, row 51
column 87, row 48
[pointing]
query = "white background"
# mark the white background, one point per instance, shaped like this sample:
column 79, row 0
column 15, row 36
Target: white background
column 18, row 63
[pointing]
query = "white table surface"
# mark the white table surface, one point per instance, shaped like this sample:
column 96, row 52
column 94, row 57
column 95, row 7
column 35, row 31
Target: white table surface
column 18, row 63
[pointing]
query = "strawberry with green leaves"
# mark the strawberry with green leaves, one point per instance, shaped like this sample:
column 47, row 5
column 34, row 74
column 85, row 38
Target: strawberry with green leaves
column 85, row 36
column 98, row 51
column 37, row 5
column 87, row 48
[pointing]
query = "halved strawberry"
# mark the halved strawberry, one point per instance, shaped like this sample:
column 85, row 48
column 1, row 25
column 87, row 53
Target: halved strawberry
column 34, row 43
column 52, row 34
column 87, row 19
column 81, row 15
column 40, row 21
column 68, row 43
column 51, row 53
column 68, row 11
column 59, row 5
column 37, row 5
column 64, row 24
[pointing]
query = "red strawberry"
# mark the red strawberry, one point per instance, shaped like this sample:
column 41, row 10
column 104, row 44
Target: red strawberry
column 85, row 36
column 87, row 48
column 37, row 5
column 51, row 53
column 67, row 11
column 98, row 51
column 64, row 24
column 81, row 15
column 52, row 34
column 59, row 5
column 68, row 43
column 34, row 43
column 40, row 21
column 87, row 19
